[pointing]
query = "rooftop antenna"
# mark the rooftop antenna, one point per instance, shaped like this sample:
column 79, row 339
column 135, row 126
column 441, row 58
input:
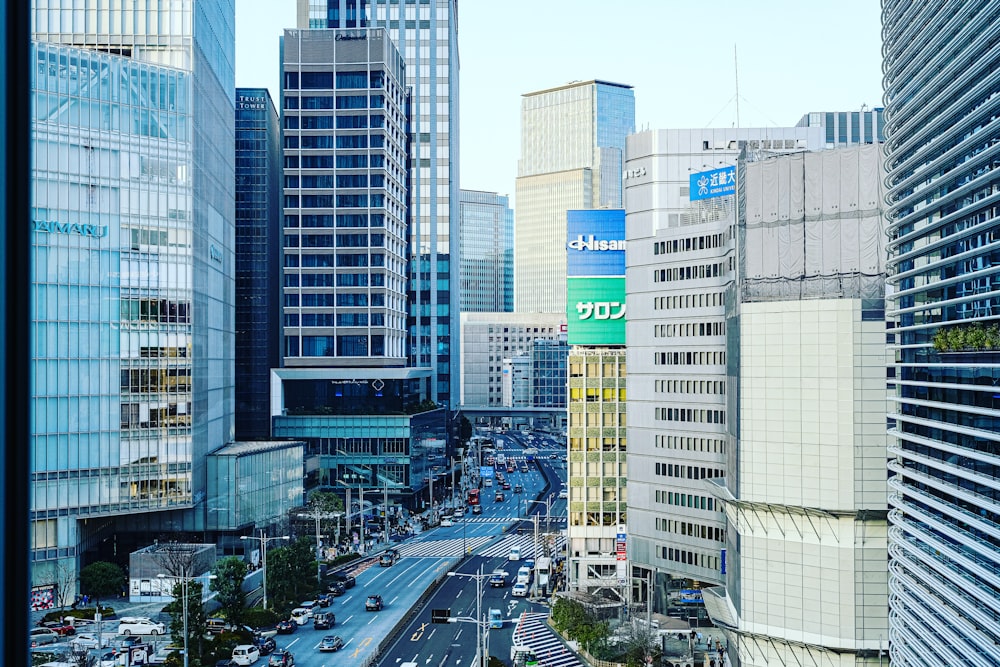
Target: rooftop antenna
column 736, row 68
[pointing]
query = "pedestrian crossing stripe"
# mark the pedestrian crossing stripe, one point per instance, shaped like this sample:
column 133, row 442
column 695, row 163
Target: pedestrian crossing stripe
column 454, row 546
column 532, row 631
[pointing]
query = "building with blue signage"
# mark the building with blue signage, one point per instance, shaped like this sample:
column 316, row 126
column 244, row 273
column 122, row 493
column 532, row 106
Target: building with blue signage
column 426, row 35
column 943, row 184
column 486, row 264
column 258, row 255
column 132, row 289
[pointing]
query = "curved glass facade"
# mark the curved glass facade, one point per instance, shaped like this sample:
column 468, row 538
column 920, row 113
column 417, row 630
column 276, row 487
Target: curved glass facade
column 942, row 82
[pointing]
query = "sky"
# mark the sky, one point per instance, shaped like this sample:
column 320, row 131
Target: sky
column 682, row 58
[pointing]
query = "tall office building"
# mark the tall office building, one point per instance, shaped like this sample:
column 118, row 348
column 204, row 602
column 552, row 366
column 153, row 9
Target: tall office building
column 426, row 34
column 572, row 152
column 258, row 252
column 804, row 553
column 680, row 254
column 132, row 295
column 486, row 252
column 843, row 128
column 942, row 136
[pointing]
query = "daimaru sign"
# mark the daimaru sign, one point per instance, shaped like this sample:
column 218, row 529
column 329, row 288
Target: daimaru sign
column 593, row 243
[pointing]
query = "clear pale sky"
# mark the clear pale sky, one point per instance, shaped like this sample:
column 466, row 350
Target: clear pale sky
column 795, row 56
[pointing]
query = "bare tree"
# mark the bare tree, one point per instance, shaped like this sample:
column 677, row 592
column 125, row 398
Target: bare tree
column 177, row 559
column 65, row 578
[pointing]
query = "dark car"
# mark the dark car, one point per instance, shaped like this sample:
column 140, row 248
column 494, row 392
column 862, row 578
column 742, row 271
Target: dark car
column 373, row 603
column 476, row 509
column 331, row 643
column 518, row 488
column 323, row 620
column 265, row 645
column 345, row 579
column 281, row 659
column 324, row 599
column 336, row 589
column 506, row 486
column 498, row 497
column 286, row 627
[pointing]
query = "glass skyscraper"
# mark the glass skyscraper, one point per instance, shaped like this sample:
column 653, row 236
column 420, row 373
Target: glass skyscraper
column 486, row 254
column 572, row 152
column 942, row 73
column 132, row 290
column 426, row 34
column 258, row 252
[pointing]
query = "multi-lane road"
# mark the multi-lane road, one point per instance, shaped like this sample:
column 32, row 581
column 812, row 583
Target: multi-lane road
column 425, row 561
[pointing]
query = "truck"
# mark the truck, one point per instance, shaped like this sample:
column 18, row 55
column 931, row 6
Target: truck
column 543, row 568
column 530, row 453
column 522, row 656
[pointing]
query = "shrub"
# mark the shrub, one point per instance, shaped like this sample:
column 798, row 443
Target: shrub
column 259, row 618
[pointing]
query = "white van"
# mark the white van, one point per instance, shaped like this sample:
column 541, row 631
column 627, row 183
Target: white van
column 524, row 575
column 246, row 654
column 515, row 553
column 488, row 481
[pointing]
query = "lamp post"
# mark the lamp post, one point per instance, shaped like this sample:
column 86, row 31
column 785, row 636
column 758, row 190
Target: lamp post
column 263, row 556
column 184, row 604
column 320, row 514
column 482, row 632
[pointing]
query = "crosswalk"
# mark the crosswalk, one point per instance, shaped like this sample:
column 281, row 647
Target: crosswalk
column 453, row 546
column 508, row 519
column 532, row 631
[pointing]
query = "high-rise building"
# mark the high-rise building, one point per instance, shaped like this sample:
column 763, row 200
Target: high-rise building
column 804, row 554
column 942, row 135
column 132, row 294
column 572, row 152
column 680, row 259
column 426, row 34
column 486, row 253
column 548, row 372
column 843, row 128
column 258, row 253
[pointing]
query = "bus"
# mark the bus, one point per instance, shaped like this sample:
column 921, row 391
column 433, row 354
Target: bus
column 501, row 459
column 473, row 497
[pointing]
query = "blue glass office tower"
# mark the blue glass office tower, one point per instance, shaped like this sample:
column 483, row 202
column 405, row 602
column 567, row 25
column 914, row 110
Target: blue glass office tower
column 426, row 34
column 258, row 252
column 132, row 250
column 486, row 254
column 942, row 73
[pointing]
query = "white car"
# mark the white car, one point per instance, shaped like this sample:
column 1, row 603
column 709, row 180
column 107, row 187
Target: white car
column 140, row 626
column 520, row 590
column 246, row 654
column 515, row 553
column 88, row 640
column 564, row 493
column 301, row 615
column 446, row 522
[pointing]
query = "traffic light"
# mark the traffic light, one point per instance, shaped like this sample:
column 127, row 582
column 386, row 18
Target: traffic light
column 440, row 615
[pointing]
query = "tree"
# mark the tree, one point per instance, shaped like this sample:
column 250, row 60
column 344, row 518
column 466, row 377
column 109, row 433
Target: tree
column 290, row 572
column 325, row 501
column 464, row 429
column 102, row 580
column 228, row 585
column 196, row 617
column 639, row 641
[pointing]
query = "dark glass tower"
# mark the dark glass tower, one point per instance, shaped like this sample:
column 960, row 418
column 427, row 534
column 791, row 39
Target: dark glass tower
column 258, row 247
column 942, row 151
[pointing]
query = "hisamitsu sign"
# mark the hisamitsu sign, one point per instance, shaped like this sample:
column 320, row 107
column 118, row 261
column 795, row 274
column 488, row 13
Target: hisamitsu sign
column 715, row 183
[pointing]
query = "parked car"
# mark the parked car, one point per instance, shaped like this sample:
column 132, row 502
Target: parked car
column 324, row 599
column 43, row 636
column 286, row 627
column 59, row 627
column 163, row 653
column 139, row 625
column 519, row 590
column 88, row 640
column 265, row 645
column 373, row 603
column 281, row 659
column 125, row 642
column 106, row 657
column 246, row 654
column 331, row 643
column 323, row 620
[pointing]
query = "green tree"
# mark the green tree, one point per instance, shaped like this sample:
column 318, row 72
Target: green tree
column 196, row 618
column 228, row 585
column 102, row 580
column 325, row 501
column 290, row 573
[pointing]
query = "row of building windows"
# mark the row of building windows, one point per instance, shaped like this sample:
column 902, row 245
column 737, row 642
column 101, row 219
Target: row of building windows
column 334, row 346
column 690, row 443
column 691, row 529
column 342, row 201
column 597, row 419
column 328, row 181
column 687, row 359
column 328, row 161
column 691, row 500
column 326, row 80
column 155, row 310
column 689, row 329
column 309, row 141
column 689, row 386
column 693, row 272
column 308, row 102
column 596, row 369
column 686, row 471
column 704, row 300
column 325, row 300
column 158, row 415
column 343, row 220
column 344, row 122
column 594, row 394
column 690, row 415
column 691, row 243
column 690, row 558
column 341, row 320
column 156, row 380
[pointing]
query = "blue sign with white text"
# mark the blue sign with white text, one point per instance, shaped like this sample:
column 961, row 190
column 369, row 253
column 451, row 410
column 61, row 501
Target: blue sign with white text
column 485, row 471
column 715, row 183
column 595, row 242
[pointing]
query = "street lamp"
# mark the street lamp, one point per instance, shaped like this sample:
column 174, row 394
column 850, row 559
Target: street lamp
column 318, row 514
column 482, row 631
column 184, row 603
column 263, row 556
